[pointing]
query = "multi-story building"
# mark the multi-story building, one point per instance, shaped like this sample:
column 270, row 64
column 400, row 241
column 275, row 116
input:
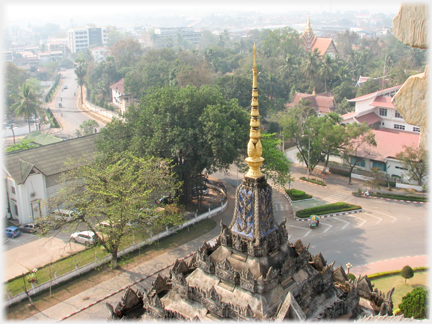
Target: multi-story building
column 186, row 33
column 378, row 111
column 99, row 53
column 81, row 38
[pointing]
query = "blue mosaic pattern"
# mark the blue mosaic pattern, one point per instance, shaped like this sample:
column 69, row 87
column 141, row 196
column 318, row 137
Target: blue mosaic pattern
column 268, row 223
column 244, row 222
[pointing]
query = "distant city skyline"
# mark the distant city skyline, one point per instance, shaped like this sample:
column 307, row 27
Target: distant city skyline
column 49, row 11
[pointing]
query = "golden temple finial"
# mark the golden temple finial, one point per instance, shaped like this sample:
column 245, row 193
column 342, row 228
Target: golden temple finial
column 254, row 148
column 308, row 27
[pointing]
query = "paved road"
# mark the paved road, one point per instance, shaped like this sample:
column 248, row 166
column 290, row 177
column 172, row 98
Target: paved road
column 69, row 115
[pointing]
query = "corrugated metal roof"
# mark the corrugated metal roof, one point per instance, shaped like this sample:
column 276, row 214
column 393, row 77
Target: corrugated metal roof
column 369, row 119
column 49, row 159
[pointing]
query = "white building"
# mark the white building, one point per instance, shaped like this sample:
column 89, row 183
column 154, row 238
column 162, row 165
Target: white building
column 81, row 38
column 377, row 110
column 33, row 175
column 99, row 53
column 120, row 98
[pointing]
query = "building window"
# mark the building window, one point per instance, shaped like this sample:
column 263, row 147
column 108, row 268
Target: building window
column 383, row 112
column 13, row 190
column 416, row 129
column 397, row 126
column 359, row 163
column 381, row 165
column 397, row 115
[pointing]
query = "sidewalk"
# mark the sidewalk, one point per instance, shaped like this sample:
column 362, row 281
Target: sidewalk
column 391, row 264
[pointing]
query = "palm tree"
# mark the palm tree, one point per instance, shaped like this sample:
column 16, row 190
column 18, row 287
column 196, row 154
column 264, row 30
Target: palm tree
column 81, row 72
column 310, row 65
column 27, row 103
column 326, row 69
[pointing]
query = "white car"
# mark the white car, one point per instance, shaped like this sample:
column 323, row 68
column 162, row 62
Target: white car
column 86, row 237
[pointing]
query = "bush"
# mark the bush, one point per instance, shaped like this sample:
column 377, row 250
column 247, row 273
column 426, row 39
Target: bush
column 339, row 171
column 318, row 182
column 414, row 304
column 351, row 276
column 407, row 273
column 399, row 197
column 297, row 194
column 326, row 209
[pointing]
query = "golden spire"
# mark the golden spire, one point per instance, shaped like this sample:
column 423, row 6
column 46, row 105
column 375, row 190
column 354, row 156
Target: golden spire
column 308, row 27
column 254, row 148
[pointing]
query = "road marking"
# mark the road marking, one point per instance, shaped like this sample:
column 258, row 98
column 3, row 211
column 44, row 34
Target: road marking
column 394, row 218
column 380, row 219
column 307, row 233
column 364, row 220
column 329, row 226
column 298, row 227
column 341, row 220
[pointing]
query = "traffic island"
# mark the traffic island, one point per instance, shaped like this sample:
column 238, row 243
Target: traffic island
column 336, row 209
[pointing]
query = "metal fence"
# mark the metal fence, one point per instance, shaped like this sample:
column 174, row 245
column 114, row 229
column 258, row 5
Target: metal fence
column 214, row 210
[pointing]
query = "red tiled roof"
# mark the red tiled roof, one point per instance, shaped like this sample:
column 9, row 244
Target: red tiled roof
column 369, row 119
column 322, row 44
column 321, row 103
column 348, row 115
column 389, row 143
column 382, row 101
column 118, row 86
column 370, row 95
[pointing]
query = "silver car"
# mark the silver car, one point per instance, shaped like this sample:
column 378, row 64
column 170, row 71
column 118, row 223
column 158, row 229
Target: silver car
column 86, row 237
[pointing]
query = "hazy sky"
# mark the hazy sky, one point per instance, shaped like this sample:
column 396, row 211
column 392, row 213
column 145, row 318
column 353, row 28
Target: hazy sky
column 28, row 10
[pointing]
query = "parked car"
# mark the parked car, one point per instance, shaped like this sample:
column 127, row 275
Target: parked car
column 30, row 228
column 45, row 224
column 65, row 86
column 164, row 200
column 201, row 190
column 66, row 215
column 86, row 237
column 12, row 231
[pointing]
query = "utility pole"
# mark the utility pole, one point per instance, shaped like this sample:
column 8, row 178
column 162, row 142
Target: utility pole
column 308, row 158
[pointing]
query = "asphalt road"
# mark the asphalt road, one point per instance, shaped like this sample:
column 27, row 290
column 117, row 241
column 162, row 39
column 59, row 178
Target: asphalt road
column 69, row 115
column 387, row 229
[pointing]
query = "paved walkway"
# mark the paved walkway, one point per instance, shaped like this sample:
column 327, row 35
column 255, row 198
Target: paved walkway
column 95, row 294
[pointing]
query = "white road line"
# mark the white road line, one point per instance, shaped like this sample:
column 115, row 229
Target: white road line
column 341, row 220
column 307, row 233
column 356, row 217
column 297, row 227
column 329, row 226
column 380, row 219
column 394, row 218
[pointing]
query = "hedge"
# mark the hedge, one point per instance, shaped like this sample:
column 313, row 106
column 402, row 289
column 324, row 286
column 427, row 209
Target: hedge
column 296, row 195
column 397, row 196
column 326, row 209
column 394, row 272
column 318, row 182
column 53, row 121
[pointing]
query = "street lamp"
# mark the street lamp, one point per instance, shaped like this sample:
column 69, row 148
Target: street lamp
column 11, row 127
column 349, row 266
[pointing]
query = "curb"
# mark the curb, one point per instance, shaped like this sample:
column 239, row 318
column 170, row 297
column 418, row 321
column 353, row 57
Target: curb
column 313, row 183
column 121, row 289
column 331, row 215
column 408, row 201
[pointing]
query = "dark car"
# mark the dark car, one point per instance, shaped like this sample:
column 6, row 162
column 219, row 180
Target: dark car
column 165, row 200
column 65, row 87
column 30, row 228
column 202, row 190
column 12, row 231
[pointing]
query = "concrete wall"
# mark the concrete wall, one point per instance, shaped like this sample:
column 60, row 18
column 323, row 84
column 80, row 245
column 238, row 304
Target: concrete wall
column 100, row 110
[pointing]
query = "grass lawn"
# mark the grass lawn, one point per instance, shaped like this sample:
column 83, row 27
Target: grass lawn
column 384, row 284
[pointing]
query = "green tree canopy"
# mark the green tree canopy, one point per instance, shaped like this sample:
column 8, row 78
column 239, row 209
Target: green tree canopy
column 120, row 190
column 27, row 103
column 414, row 159
column 196, row 128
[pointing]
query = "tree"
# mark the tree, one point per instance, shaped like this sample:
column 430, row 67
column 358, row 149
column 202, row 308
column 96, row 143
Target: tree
column 357, row 145
column 14, row 78
column 276, row 166
column 331, row 135
column 88, row 127
column 407, row 273
column 196, row 129
column 415, row 304
column 118, row 189
column 374, row 182
column 414, row 159
column 127, row 52
column 27, row 103
column 81, row 71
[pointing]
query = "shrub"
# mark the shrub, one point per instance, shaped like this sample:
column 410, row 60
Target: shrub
column 351, row 276
column 318, row 182
column 400, row 197
column 326, row 209
column 414, row 304
column 407, row 273
column 297, row 194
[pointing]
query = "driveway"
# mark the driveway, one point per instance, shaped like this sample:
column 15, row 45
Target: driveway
column 36, row 254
